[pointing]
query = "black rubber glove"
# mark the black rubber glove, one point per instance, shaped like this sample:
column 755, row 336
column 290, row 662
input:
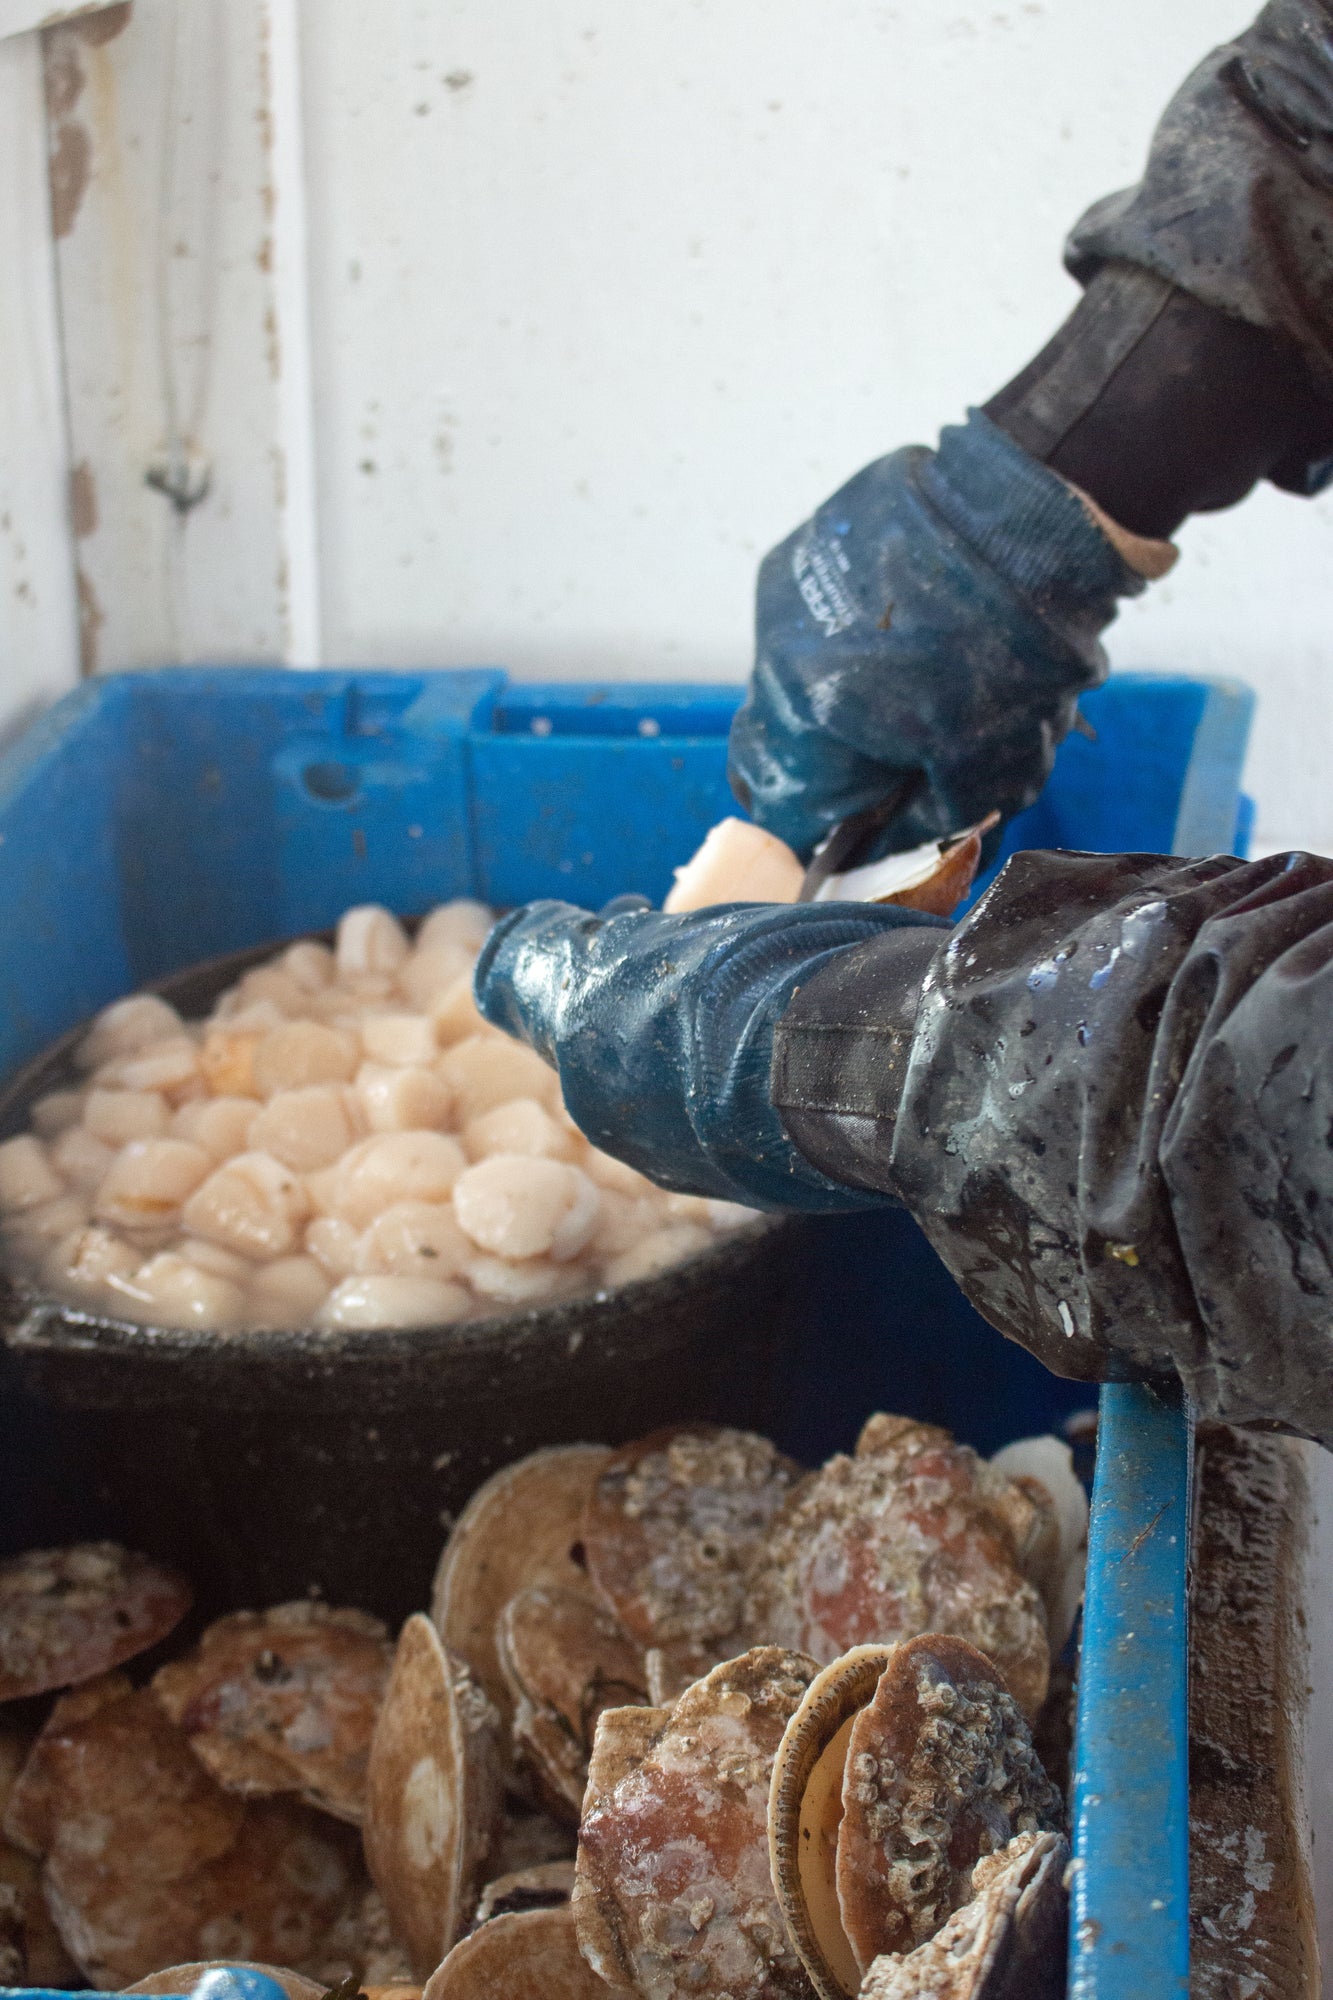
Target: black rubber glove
column 662, row 1028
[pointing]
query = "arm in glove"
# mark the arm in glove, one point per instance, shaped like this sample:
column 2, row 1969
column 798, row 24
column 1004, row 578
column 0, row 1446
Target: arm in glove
column 935, row 621
column 662, row 1028
column 1111, row 1115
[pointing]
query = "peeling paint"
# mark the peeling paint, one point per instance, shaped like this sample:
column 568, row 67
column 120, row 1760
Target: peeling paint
column 70, row 144
column 71, row 169
column 91, row 620
column 83, row 500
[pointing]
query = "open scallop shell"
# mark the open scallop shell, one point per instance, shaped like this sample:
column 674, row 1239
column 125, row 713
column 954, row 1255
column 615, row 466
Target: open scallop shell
column 517, row 1530
column 527, row 1955
column 1007, row 1943
column 933, row 878
column 940, row 1771
column 1057, row 1569
column 901, row 1769
column 805, row 1812
column 564, row 1659
column 433, row 1794
column 544, row 1887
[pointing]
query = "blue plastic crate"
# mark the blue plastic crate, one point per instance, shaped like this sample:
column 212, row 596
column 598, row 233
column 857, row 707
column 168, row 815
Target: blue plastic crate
column 158, row 818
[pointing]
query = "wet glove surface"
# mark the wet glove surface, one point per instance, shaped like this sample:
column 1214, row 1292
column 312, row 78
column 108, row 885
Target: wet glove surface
column 1111, row 1111
column 661, row 1028
column 933, row 624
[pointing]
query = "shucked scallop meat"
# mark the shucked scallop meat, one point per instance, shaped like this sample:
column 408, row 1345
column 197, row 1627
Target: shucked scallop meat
column 326, row 1090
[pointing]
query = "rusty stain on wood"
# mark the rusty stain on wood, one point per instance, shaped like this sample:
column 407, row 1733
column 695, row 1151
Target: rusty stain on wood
column 70, row 144
column 83, row 499
column 91, row 620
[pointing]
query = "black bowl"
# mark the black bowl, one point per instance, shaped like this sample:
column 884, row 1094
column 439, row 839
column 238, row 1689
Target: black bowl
column 272, row 1465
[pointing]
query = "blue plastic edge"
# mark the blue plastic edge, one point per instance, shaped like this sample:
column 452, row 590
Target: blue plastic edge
column 1129, row 1916
column 1207, row 818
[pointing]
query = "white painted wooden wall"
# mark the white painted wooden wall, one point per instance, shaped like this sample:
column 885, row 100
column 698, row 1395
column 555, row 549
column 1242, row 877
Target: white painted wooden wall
column 517, row 331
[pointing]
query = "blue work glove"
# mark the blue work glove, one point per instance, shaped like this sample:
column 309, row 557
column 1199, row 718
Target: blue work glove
column 661, row 1029
column 932, row 625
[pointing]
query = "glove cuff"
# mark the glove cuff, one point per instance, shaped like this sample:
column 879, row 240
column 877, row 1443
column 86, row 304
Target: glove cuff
column 1026, row 523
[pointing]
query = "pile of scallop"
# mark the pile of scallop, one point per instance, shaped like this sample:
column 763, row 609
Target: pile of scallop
column 343, row 1143
column 683, row 1722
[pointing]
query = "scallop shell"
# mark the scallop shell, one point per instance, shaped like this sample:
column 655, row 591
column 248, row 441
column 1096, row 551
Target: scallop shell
column 433, row 1794
column 284, row 1700
column 148, row 1862
column 530, row 1955
column 900, row 1540
column 523, row 1527
column 1007, row 1943
column 564, row 1660
column 544, row 1887
column 805, row 1812
column 901, row 1769
column 940, row 1771
column 672, row 1895
column 69, row 1614
column 675, row 1521
column 1047, row 1464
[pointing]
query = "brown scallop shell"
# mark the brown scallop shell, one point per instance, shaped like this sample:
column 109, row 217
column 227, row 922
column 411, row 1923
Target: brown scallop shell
column 875, row 1549
column 148, row 1862
column 674, row 1523
column 564, row 1659
column 543, row 1887
column 672, row 1895
column 69, row 1614
column 530, row 1955
column 1008, row 1943
column 940, row 1772
column 524, row 1526
column 886, row 1432
column 284, row 1700
column 433, row 1795
column 669, row 1670
column 805, row 1813
column 13, row 1958
column 42, row 1959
